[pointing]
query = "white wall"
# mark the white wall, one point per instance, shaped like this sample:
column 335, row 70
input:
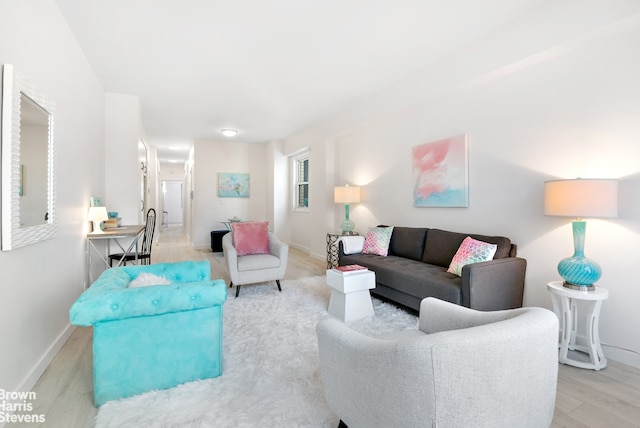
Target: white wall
column 121, row 157
column 554, row 95
column 40, row 282
column 211, row 158
column 278, row 191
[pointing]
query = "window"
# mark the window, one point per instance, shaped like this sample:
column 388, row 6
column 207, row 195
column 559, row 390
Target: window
column 301, row 182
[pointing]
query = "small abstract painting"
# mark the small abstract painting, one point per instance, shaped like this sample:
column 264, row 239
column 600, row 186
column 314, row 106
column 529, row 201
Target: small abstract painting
column 440, row 172
column 233, row 185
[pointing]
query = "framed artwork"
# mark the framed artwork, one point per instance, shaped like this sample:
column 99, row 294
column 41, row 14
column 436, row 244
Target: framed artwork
column 441, row 173
column 96, row 201
column 233, row 185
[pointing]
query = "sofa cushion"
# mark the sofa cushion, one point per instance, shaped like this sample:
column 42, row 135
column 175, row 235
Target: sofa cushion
column 418, row 279
column 441, row 246
column 471, row 251
column 408, row 242
column 377, row 241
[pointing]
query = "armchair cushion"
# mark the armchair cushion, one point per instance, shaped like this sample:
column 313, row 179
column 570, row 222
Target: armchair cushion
column 250, row 237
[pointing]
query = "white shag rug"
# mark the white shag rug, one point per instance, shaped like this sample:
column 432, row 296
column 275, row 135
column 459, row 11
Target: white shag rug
column 270, row 373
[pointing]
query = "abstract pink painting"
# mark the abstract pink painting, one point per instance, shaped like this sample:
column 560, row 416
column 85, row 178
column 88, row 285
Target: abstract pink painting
column 440, row 172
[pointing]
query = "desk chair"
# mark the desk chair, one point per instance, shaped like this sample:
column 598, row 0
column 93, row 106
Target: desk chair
column 144, row 255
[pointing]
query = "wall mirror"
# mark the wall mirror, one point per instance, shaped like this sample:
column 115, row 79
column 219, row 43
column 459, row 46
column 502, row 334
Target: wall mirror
column 28, row 181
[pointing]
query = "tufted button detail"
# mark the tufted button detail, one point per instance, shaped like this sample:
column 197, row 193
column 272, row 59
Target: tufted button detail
column 194, row 297
column 114, row 306
column 155, row 302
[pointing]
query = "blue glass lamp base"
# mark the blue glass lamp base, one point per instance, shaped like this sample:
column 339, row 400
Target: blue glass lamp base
column 347, row 227
column 579, row 272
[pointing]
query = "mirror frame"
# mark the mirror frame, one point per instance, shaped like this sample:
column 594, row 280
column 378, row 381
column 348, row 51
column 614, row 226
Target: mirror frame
column 14, row 236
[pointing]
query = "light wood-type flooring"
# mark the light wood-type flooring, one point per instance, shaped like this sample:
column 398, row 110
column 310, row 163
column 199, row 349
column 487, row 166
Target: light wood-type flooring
column 585, row 398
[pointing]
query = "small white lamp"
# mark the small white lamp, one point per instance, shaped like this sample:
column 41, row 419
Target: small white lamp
column 98, row 215
column 346, row 195
column 580, row 198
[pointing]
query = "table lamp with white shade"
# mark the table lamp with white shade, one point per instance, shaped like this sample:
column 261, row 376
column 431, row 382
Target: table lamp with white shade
column 580, row 198
column 346, row 195
column 98, row 215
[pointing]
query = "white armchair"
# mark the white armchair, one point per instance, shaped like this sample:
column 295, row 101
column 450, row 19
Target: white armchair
column 462, row 368
column 249, row 269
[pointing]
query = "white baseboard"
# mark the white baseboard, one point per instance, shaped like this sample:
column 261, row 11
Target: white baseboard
column 623, row 356
column 299, row 247
column 307, row 250
column 318, row 256
column 42, row 364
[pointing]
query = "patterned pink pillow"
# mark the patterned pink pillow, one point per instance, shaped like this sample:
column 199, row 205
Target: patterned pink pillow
column 250, row 237
column 377, row 241
column 471, row 251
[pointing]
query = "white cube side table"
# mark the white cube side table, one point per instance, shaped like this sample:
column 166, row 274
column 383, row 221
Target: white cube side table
column 350, row 298
column 564, row 305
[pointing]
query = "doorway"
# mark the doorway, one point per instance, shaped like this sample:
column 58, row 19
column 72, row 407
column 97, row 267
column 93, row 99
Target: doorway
column 171, row 202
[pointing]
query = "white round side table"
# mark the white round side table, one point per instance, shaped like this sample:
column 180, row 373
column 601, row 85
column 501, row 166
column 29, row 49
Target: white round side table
column 564, row 305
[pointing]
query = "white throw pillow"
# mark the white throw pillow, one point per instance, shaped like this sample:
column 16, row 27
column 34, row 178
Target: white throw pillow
column 145, row 279
column 352, row 244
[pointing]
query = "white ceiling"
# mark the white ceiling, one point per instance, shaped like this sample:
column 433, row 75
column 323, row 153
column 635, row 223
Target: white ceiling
column 265, row 67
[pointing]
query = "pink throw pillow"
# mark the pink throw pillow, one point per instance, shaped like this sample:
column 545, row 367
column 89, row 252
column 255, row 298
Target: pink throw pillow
column 250, row 237
column 377, row 241
column 471, row 251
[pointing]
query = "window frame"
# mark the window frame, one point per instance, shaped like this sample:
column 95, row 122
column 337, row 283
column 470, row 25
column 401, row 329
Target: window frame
column 297, row 161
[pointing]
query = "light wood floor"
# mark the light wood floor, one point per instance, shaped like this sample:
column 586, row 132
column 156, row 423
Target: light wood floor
column 585, row 398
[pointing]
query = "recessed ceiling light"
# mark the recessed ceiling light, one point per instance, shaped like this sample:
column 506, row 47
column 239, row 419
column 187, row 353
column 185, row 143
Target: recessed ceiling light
column 227, row 132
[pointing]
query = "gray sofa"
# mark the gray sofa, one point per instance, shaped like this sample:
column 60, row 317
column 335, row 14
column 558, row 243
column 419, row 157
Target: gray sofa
column 416, row 267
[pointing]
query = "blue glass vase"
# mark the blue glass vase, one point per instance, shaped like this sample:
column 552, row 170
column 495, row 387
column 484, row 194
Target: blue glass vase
column 579, row 270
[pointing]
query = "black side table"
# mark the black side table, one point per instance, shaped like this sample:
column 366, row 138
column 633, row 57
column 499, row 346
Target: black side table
column 332, row 248
column 216, row 240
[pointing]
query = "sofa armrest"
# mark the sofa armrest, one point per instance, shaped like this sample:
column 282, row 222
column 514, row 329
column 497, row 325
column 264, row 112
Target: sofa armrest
column 494, row 285
column 109, row 304
column 341, row 252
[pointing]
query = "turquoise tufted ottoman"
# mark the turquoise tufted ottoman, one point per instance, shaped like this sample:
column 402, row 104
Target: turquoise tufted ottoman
column 152, row 337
